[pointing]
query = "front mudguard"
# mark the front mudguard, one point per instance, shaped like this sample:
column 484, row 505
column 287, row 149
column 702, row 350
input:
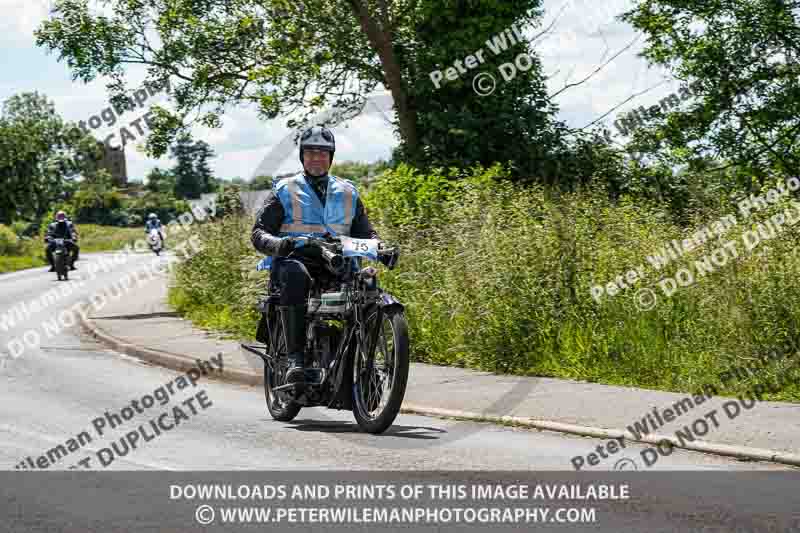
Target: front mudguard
column 388, row 303
column 343, row 396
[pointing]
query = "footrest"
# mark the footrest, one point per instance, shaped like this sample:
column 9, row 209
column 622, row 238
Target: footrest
column 289, row 387
column 260, row 351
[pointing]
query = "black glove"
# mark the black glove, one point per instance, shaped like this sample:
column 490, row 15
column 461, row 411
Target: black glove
column 286, row 246
column 389, row 259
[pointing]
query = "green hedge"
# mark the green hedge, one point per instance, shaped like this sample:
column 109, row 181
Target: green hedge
column 498, row 278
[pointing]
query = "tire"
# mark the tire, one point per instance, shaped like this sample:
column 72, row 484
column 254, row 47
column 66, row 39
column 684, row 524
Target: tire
column 59, row 263
column 372, row 413
column 280, row 411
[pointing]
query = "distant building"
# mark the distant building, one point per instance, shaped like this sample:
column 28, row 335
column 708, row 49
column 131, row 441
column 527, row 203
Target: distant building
column 113, row 161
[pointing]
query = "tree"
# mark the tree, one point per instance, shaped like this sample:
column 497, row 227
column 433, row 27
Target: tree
column 193, row 176
column 202, row 153
column 229, row 202
column 460, row 128
column 97, row 201
column 160, row 181
column 242, row 183
column 39, row 156
column 745, row 55
column 308, row 55
column 261, row 183
column 358, row 172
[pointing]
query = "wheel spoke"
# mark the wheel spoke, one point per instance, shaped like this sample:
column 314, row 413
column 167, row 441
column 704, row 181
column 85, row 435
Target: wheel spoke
column 376, row 370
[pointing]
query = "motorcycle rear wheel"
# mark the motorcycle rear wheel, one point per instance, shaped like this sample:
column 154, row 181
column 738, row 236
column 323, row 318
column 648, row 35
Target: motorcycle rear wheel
column 280, row 410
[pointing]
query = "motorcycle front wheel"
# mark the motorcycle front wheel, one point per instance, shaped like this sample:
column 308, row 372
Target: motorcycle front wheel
column 60, row 263
column 380, row 377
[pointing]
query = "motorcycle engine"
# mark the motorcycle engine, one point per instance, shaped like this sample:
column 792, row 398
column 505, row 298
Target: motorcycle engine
column 324, row 340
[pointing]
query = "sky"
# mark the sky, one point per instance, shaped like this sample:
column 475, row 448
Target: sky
column 584, row 36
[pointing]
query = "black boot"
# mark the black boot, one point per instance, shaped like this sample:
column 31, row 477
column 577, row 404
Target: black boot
column 294, row 321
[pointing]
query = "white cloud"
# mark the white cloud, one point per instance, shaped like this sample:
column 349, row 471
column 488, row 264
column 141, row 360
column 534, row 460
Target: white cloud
column 586, row 35
column 18, row 19
column 585, row 30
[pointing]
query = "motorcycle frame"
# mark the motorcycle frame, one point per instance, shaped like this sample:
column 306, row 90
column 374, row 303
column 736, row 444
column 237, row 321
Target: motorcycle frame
column 63, row 249
column 352, row 337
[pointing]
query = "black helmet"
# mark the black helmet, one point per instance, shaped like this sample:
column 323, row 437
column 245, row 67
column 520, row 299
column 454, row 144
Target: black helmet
column 318, row 137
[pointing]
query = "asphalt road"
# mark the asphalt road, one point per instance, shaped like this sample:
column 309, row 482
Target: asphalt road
column 56, row 391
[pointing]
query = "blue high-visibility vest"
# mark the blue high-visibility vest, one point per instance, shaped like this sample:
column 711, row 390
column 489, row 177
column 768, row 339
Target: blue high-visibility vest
column 304, row 214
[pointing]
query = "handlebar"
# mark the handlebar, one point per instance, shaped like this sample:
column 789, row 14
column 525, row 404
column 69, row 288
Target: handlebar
column 331, row 251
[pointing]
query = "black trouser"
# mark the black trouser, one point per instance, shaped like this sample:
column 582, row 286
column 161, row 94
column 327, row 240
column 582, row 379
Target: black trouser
column 74, row 249
column 295, row 279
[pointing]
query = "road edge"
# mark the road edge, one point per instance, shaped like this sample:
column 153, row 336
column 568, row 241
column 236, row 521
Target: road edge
column 182, row 363
column 165, row 359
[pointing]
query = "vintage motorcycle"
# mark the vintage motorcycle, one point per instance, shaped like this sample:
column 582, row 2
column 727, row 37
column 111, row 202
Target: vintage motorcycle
column 357, row 339
column 61, row 258
column 154, row 241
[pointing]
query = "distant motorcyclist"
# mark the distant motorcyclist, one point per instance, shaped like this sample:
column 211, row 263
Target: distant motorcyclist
column 154, row 223
column 62, row 228
column 311, row 204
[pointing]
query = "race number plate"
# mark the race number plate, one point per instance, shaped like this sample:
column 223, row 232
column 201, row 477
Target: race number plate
column 360, row 248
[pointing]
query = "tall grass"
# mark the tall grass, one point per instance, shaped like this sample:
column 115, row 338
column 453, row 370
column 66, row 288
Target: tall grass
column 95, row 238
column 218, row 287
column 18, row 253
column 499, row 278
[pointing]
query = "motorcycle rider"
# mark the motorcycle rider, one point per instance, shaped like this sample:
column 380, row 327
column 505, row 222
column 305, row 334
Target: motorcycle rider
column 311, row 204
column 62, row 228
column 152, row 223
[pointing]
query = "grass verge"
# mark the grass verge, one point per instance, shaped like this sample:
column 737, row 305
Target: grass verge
column 499, row 278
column 29, row 253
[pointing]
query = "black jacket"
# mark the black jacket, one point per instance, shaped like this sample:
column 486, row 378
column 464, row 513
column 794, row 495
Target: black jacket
column 57, row 230
column 270, row 218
